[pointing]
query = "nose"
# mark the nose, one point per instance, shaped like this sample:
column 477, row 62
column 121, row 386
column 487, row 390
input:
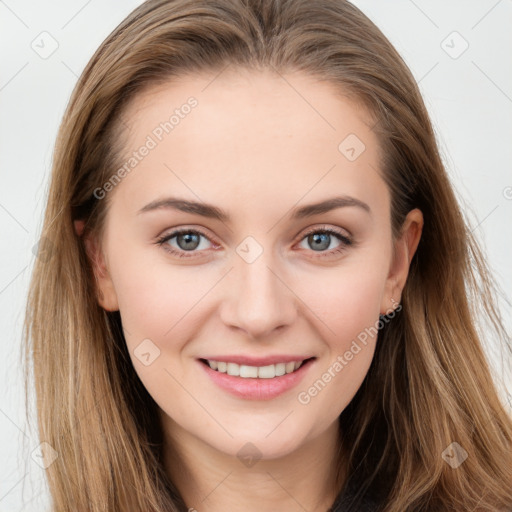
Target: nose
column 258, row 301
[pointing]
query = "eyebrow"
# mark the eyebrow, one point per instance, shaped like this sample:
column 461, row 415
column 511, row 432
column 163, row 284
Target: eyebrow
column 214, row 212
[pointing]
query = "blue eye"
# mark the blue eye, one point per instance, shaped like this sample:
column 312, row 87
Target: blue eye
column 321, row 239
column 188, row 240
column 187, row 243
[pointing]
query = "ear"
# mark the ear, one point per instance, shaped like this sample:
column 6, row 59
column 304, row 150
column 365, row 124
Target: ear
column 107, row 297
column 403, row 251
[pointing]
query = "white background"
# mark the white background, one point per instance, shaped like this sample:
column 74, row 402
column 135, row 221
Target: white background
column 469, row 99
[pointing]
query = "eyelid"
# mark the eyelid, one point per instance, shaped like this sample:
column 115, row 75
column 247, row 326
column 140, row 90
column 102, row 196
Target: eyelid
column 329, row 229
column 187, row 229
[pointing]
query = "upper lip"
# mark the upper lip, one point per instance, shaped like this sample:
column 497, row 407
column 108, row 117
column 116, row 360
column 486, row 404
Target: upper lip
column 258, row 361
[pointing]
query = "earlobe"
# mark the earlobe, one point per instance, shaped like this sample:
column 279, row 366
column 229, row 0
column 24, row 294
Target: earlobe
column 79, row 227
column 404, row 250
column 107, row 297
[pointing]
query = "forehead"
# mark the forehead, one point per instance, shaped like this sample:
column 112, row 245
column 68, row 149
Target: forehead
column 232, row 96
column 249, row 134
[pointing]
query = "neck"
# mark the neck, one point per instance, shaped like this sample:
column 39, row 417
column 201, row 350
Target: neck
column 212, row 481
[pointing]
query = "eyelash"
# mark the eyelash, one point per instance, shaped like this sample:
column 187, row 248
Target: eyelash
column 346, row 241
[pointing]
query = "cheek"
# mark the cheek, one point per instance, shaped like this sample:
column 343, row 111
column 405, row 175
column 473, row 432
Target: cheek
column 346, row 300
column 154, row 298
column 158, row 316
column 347, row 303
column 163, row 308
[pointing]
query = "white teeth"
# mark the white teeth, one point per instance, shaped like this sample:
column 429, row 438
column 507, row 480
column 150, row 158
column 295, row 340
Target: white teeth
column 267, row 372
column 263, row 372
column 248, row 371
column 280, row 369
column 233, row 369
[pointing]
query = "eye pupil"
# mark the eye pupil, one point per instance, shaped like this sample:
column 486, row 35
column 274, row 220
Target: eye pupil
column 189, row 238
column 317, row 242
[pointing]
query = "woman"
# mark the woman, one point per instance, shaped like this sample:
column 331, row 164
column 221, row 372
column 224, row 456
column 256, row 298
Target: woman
column 257, row 369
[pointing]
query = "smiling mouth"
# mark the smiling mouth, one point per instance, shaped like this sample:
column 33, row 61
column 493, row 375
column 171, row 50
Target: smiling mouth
column 259, row 372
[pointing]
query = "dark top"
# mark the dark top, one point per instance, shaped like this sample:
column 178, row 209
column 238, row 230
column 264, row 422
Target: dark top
column 345, row 502
column 343, row 505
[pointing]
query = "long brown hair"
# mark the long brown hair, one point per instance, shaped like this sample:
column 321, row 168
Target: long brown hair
column 429, row 384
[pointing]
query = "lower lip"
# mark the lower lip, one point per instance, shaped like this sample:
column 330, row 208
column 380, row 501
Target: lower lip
column 257, row 389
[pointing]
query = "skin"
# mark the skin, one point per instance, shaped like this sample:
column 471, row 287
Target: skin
column 256, row 148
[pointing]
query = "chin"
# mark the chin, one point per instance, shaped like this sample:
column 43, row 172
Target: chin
column 260, row 444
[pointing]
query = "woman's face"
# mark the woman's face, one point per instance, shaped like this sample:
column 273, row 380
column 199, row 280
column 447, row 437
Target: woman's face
column 254, row 279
